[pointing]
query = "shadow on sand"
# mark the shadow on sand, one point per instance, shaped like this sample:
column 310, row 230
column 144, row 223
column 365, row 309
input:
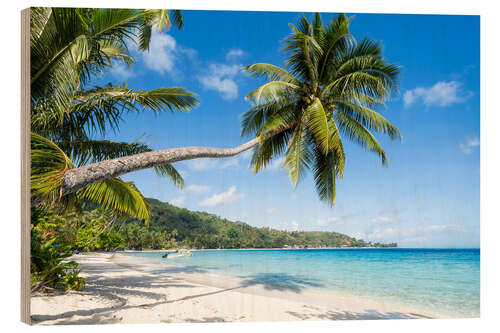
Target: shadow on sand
column 280, row 281
column 115, row 292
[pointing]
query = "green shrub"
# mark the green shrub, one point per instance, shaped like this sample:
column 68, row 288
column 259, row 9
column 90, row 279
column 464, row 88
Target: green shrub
column 49, row 269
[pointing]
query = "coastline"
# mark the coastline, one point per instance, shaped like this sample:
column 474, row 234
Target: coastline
column 121, row 290
column 259, row 249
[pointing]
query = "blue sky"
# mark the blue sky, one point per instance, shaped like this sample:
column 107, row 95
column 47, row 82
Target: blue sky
column 427, row 197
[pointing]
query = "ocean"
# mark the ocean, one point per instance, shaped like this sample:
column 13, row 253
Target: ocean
column 437, row 281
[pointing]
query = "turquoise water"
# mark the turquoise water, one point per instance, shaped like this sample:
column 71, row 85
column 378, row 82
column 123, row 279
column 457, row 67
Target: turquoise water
column 436, row 280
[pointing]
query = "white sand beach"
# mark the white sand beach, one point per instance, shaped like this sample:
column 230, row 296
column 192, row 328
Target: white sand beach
column 121, row 291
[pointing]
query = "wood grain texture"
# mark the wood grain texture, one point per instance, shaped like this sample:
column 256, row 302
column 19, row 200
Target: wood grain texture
column 25, row 167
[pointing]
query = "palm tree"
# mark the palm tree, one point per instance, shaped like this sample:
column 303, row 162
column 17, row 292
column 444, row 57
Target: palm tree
column 70, row 47
column 328, row 89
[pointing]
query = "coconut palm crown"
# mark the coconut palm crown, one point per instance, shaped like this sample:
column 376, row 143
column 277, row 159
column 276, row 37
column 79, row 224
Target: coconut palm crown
column 327, row 90
column 70, row 47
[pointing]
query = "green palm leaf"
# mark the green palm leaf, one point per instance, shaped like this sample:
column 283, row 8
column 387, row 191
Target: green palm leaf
column 100, row 108
column 272, row 72
column 369, row 118
column 325, row 176
column 318, row 124
column 48, row 165
column 272, row 91
column 298, row 156
column 116, row 195
column 360, row 134
column 167, row 170
column 269, row 149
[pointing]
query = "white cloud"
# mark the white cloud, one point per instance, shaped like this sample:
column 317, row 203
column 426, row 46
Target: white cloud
column 229, row 196
column 381, row 219
column 221, row 78
column 327, row 221
column 295, row 226
column 121, row 71
column 441, row 94
column 161, row 54
column 197, row 189
column 234, row 54
column 179, row 201
column 271, row 210
column 468, row 146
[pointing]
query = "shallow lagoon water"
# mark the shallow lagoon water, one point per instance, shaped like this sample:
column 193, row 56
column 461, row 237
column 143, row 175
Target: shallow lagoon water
column 444, row 281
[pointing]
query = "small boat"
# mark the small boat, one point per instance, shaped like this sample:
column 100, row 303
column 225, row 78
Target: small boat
column 178, row 253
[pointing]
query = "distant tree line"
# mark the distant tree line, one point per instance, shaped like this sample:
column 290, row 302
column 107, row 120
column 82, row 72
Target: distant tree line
column 173, row 227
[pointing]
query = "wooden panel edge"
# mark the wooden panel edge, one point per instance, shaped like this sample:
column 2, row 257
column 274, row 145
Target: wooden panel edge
column 25, row 168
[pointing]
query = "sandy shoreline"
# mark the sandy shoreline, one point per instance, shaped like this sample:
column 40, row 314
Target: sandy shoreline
column 121, row 291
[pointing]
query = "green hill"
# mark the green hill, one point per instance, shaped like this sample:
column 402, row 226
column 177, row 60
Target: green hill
column 171, row 226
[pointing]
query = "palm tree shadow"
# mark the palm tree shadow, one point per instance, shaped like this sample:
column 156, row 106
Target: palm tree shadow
column 280, row 282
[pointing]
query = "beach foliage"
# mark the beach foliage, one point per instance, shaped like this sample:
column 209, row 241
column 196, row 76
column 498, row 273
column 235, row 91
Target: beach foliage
column 50, row 268
column 327, row 91
column 70, row 47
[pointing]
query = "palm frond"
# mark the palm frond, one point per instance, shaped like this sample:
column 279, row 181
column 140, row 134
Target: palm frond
column 360, row 134
column 369, row 118
column 269, row 150
column 271, row 91
column 159, row 19
column 325, row 176
column 304, row 55
column 167, row 170
column 335, row 42
column 48, row 166
column 267, row 116
column 318, row 124
column 272, row 72
column 337, row 148
column 101, row 108
column 298, row 157
column 119, row 196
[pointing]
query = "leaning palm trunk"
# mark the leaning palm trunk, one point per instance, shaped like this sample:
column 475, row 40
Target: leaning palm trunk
column 78, row 178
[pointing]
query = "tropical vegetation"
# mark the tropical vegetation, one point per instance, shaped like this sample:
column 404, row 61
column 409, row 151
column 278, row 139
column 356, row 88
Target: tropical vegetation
column 71, row 47
column 327, row 90
column 173, row 227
